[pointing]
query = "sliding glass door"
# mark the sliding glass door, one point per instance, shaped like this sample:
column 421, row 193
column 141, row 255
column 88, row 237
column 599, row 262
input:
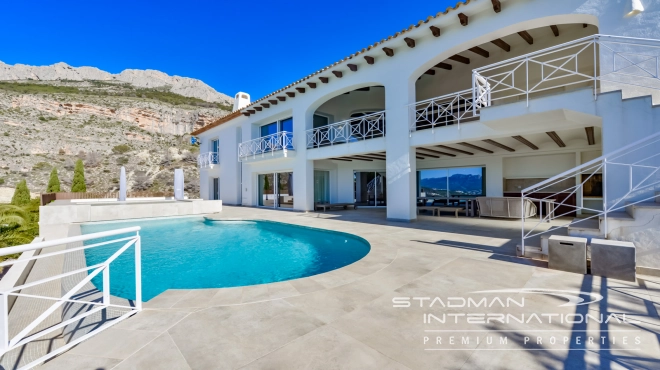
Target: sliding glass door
column 276, row 190
column 370, row 188
column 321, row 187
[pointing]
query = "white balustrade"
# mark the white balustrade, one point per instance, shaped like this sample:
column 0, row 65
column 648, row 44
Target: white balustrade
column 360, row 128
column 207, row 160
column 450, row 109
column 35, row 330
column 280, row 141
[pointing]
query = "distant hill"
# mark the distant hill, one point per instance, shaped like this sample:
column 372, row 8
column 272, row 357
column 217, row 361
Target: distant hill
column 184, row 86
column 468, row 184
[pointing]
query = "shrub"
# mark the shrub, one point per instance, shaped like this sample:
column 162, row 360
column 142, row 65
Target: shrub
column 122, row 160
column 2, row 181
column 53, row 182
column 121, row 149
column 21, row 194
column 6, row 133
column 41, row 166
column 42, row 118
column 78, row 185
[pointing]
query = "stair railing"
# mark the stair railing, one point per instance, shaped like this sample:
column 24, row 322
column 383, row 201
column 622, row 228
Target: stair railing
column 630, row 175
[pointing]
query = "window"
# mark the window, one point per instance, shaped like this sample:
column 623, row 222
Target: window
column 451, row 182
column 320, row 121
column 593, row 185
column 277, row 126
column 269, row 129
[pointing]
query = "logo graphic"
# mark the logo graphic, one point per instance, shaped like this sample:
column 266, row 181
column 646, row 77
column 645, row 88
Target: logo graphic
column 569, row 295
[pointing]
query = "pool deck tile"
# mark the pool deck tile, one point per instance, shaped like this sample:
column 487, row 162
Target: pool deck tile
column 345, row 319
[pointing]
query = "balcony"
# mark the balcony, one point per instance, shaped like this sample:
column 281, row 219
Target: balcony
column 450, row 109
column 207, row 160
column 274, row 145
column 355, row 129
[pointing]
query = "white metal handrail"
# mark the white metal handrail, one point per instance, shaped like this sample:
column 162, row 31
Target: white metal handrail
column 602, row 62
column 369, row 126
column 207, row 160
column 635, row 166
column 444, row 110
column 280, row 141
column 28, row 333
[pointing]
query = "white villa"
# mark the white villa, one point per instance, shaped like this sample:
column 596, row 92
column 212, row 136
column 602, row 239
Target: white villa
column 514, row 92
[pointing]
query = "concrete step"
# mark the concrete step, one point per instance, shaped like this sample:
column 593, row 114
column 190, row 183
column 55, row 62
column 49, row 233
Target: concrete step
column 623, row 216
column 653, row 205
column 585, row 224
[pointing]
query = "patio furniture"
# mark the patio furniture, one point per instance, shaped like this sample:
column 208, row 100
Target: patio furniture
column 326, row 206
column 435, row 209
column 567, row 253
column 505, row 207
column 613, row 259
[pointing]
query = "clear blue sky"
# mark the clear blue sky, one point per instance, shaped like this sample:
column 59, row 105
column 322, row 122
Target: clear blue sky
column 254, row 46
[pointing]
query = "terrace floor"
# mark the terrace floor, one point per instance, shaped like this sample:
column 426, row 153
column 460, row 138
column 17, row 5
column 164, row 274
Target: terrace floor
column 346, row 318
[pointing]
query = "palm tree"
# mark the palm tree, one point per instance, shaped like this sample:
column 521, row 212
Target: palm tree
column 17, row 226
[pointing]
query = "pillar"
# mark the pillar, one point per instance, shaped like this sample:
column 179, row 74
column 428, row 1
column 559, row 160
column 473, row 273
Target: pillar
column 303, row 169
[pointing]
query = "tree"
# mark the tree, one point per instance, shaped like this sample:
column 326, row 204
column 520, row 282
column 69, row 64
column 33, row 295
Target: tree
column 266, row 184
column 21, row 194
column 53, row 182
column 78, row 185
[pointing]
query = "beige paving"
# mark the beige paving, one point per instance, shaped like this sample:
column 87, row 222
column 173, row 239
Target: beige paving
column 345, row 319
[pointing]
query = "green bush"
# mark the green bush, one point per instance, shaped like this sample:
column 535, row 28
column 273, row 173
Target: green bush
column 18, row 224
column 42, row 118
column 78, row 185
column 121, row 149
column 122, row 160
column 53, row 182
column 21, row 194
column 41, row 166
column 2, row 181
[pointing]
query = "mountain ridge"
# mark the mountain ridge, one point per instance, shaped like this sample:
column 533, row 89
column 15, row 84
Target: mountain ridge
column 148, row 78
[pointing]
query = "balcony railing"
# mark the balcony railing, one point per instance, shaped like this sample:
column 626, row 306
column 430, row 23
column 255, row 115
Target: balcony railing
column 602, row 62
column 281, row 141
column 207, row 160
column 450, row 109
column 81, row 311
column 369, row 126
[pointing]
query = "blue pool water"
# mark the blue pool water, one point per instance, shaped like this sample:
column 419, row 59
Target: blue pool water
column 190, row 253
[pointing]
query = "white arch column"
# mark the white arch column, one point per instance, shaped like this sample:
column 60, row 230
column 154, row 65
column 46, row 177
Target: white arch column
column 401, row 161
column 303, row 169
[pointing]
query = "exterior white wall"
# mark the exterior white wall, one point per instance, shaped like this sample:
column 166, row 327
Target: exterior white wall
column 341, row 107
column 399, row 77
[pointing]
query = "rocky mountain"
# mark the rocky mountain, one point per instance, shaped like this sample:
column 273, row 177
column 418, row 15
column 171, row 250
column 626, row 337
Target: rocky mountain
column 184, row 86
column 107, row 124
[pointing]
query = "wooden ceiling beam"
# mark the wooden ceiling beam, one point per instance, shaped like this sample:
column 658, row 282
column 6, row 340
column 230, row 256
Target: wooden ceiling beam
column 435, row 31
column 526, row 142
column 252, row 111
column 502, row 45
column 526, row 36
column 476, row 147
column 463, row 19
column 460, row 59
column 427, row 154
column 265, row 105
column 480, row 51
column 337, row 74
column 437, row 152
column 359, row 159
column 499, row 145
column 389, row 52
column 246, row 114
column 352, row 67
column 497, row 6
column 273, row 102
column 370, row 60
column 446, row 66
column 290, row 94
column 591, row 138
column 341, row 159
column 324, row 79
column 430, row 72
column 312, row 85
column 418, row 157
column 454, row 149
column 281, row 98
column 410, row 42
column 555, row 30
column 301, row 90
column 553, row 135
column 258, row 109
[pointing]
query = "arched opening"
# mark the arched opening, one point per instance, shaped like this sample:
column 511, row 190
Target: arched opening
column 444, row 93
column 352, row 116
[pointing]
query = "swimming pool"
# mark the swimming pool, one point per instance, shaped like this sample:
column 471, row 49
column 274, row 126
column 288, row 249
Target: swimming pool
column 194, row 253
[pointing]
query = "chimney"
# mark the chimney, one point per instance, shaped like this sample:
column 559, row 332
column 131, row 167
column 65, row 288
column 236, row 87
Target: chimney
column 241, row 100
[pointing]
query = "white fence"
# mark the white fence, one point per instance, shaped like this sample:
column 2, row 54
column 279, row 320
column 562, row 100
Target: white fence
column 43, row 324
column 207, row 160
column 630, row 175
column 282, row 140
column 450, row 109
column 360, row 128
column 602, row 62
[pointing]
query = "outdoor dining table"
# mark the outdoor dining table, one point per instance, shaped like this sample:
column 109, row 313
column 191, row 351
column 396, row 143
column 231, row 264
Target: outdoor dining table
column 470, row 203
